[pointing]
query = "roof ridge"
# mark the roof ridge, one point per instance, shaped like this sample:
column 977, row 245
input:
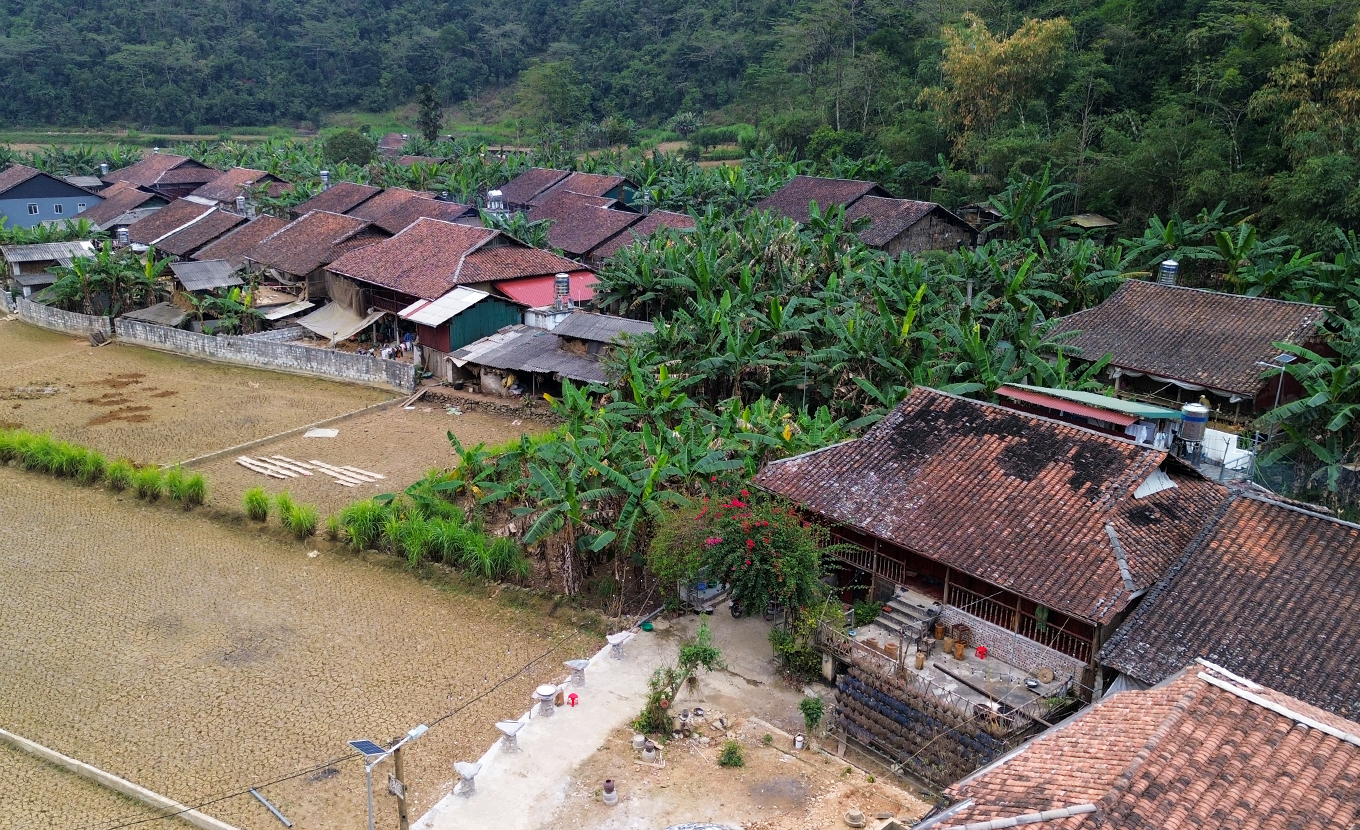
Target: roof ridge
column 1179, row 710
column 1295, row 508
column 1220, row 293
column 1045, row 418
column 1278, row 708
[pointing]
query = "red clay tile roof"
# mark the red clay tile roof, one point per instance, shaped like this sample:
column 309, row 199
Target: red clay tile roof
column 562, row 203
column 890, row 217
column 1198, row 752
column 119, row 198
column 396, row 208
column 795, row 198
column 587, row 184
column 530, row 183
column 423, row 260
column 341, row 197
column 306, row 244
column 234, row 245
column 391, row 141
column 1023, row 502
column 174, row 215
column 510, row 262
column 1269, row 591
column 17, row 174
column 153, row 169
column 188, row 174
column 583, row 229
column 238, row 181
column 1201, row 337
column 650, row 224
column 184, row 242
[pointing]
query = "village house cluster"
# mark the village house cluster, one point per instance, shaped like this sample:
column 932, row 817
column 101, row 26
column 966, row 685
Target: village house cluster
column 1053, row 552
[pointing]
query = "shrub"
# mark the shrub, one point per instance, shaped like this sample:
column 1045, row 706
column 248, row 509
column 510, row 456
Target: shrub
column 731, row 755
column 149, row 483
column 301, row 520
column 813, row 709
column 413, row 540
column 448, row 540
column 257, row 504
column 174, row 479
column 186, row 490
column 866, row 612
column 119, row 475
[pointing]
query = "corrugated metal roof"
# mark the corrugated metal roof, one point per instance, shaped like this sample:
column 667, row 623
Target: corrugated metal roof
column 1030, row 394
column 61, row 252
column 204, row 276
column 160, row 314
column 605, row 328
column 436, row 312
column 1090, row 221
column 295, row 307
column 87, row 182
column 35, row 280
column 1135, row 408
column 527, row 349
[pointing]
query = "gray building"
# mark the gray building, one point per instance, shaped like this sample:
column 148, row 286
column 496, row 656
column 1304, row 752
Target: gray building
column 29, row 196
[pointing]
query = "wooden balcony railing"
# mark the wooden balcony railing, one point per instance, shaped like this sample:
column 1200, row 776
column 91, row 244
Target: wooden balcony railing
column 986, row 608
column 1055, row 638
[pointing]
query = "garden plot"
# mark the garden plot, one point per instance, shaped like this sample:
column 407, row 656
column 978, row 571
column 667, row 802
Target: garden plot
column 197, row 660
column 152, row 407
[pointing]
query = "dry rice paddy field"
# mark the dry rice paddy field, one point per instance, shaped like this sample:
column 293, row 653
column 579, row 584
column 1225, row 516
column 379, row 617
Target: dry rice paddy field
column 198, row 658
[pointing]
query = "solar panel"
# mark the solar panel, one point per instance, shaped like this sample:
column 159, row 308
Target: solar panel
column 368, row 748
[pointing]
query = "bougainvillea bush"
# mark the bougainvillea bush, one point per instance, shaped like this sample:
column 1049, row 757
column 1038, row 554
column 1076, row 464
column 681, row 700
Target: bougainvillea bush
column 765, row 550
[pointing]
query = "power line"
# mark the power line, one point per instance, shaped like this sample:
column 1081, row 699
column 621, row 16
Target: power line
column 343, row 758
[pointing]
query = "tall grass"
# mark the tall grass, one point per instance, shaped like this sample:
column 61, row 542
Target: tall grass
column 119, row 475
column 362, row 522
column 283, row 505
column 301, row 520
column 149, row 483
column 93, row 468
column 185, row 490
column 257, row 504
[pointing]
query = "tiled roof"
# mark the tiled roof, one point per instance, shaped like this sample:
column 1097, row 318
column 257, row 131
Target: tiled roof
column 523, row 348
column 119, row 198
column 563, row 203
column 341, row 197
column 391, row 141
column 587, row 184
column 510, row 262
column 16, row 174
column 1201, row 337
column 581, row 231
column 1201, row 751
column 530, row 183
column 423, row 260
column 1269, row 591
column 306, row 244
column 649, row 225
column 606, row 328
column 152, row 169
column 205, row 230
column 166, row 220
column 794, row 199
column 238, row 181
column 1026, row 503
column 188, row 174
column 396, row 207
column 889, row 217
column 234, row 245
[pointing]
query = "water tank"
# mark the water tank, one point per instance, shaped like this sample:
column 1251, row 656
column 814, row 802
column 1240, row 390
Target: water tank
column 122, row 236
column 562, row 290
column 495, row 201
column 1194, row 420
column 1166, row 272
column 240, row 204
column 103, row 169
column 325, row 179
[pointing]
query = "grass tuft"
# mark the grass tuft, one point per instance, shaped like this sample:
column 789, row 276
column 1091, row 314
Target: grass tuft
column 149, row 483
column 119, row 475
column 257, row 504
column 301, row 520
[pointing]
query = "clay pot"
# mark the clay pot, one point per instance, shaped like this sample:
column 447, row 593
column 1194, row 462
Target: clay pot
column 958, row 650
column 665, row 703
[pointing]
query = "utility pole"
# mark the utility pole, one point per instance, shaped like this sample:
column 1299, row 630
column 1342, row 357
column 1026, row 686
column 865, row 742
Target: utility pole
column 403, row 820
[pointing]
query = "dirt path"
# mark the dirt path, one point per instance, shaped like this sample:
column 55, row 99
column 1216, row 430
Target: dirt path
column 196, row 660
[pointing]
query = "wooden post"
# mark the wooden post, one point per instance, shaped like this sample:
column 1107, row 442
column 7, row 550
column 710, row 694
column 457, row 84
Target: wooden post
column 403, row 820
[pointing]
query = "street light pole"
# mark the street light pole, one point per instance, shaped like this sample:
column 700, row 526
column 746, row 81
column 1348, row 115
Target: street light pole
column 374, row 755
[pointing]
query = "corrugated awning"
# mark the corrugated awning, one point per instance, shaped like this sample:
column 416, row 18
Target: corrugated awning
column 288, row 310
column 1070, row 407
column 338, row 323
column 536, row 292
column 437, row 312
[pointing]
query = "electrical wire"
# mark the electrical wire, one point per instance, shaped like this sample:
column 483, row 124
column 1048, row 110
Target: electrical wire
column 209, row 801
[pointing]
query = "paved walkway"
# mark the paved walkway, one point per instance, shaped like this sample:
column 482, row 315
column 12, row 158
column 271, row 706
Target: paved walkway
column 522, row 790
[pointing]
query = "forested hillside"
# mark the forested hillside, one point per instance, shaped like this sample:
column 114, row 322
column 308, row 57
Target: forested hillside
column 1149, row 108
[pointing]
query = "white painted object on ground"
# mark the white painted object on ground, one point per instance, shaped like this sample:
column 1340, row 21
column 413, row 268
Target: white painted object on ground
column 320, row 432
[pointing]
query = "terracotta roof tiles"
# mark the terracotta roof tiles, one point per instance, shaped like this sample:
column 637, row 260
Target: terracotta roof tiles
column 888, row 218
column 511, row 262
column 238, row 181
column 200, row 233
column 422, row 261
column 1270, row 591
column 795, row 198
column 153, row 168
column 1023, row 502
column 1202, row 337
column 1200, row 751
column 586, row 184
column 166, row 220
column 16, row 174
column 119, row 198
column 341, row 197
column 579, row 223
column 395, row 208
column 233, row 246
column 306, row 244
column 530, row 183
column 650, row 224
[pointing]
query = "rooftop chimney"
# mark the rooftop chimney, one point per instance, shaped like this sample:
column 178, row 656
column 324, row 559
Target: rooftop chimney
column 1166, row 273
column 495, row 202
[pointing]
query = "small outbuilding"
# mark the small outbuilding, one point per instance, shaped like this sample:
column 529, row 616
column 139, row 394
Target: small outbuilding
column 27, row 265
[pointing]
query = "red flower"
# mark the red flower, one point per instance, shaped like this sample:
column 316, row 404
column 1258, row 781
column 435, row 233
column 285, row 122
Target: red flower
column 744, row 493
column 714, row 478
column 750, row 545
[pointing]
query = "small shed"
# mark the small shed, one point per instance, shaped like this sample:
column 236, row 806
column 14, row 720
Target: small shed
column 211, row 274
column 460, row 317
column 160, row 314
column 27, row 265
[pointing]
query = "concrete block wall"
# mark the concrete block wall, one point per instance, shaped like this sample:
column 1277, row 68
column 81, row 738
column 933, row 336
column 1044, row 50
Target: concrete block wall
column 278, row 335
column 1009, row 647
column 6, row 302
column 263, row 354
column 66, row 321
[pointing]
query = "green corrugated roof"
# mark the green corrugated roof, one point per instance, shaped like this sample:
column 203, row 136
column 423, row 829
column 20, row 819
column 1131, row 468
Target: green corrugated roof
column 1135, row 408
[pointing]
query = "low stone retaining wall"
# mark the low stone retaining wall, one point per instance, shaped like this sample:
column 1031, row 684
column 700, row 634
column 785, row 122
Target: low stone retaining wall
column 263, row 354
column 65, row 321
column 278, row 335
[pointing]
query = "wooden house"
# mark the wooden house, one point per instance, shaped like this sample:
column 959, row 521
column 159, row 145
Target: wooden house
column 895, row 226
column 165, row 174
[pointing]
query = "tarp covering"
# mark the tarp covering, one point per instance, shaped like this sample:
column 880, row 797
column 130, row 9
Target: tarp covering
column 160, row 314
column 279, row 312
column 337, row 322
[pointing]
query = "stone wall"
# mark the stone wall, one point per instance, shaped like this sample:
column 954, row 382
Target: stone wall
column 1009, row 647
column 66, row 321
column 282, row 357
column 6, row 302
column 285, row 335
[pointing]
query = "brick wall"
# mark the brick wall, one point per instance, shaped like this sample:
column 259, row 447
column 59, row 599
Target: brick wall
column 263, row 354
column 67, row 321
column 1009, row 647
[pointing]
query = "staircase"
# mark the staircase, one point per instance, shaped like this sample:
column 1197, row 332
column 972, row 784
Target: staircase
column 908, row 614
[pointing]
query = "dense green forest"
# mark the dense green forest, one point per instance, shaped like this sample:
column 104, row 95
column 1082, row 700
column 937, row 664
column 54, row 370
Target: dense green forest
column 1147, row 108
